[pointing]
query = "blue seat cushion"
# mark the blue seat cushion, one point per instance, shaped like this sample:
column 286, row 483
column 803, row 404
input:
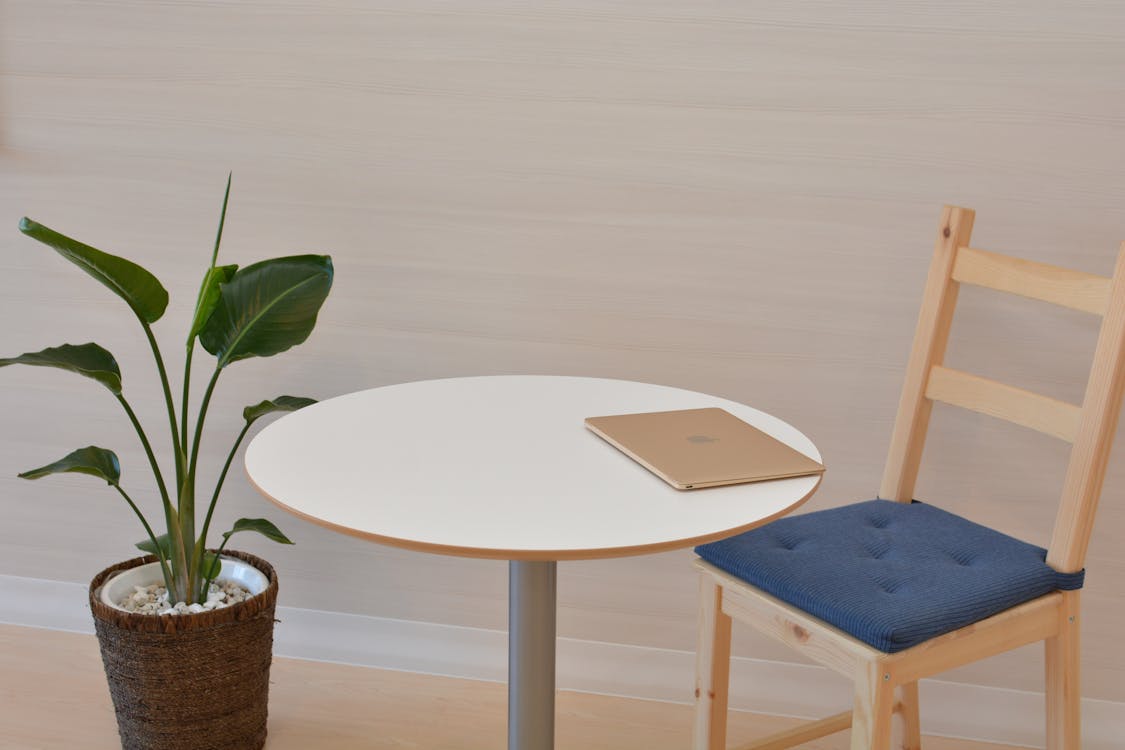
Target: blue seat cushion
column 891, row 574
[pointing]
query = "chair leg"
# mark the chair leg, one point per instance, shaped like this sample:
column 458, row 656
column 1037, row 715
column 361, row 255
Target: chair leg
column 1064, row 727
column 874, row 708
column 908, row 711
column 712, row 669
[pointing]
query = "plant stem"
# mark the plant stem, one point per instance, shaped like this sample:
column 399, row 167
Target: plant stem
column 176, row 445
column 187, row 384
column 202, row 542
column 148, row 449
column 191, row 341
column 152, row 537
column 179, row 553
column 199, row 422
column 187, row 501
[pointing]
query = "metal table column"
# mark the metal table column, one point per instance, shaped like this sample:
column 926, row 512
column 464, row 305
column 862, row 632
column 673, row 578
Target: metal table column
column 531, row 654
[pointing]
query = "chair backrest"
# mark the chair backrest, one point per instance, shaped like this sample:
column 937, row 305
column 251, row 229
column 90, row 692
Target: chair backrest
column 1089, row 427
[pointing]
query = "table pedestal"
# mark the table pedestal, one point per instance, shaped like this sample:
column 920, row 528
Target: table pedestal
column 531, row 654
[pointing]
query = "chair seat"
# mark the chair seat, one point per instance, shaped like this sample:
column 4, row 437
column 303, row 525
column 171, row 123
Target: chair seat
column 892, row 575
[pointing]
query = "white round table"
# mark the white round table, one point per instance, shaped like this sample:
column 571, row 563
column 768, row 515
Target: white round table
column 503, row 467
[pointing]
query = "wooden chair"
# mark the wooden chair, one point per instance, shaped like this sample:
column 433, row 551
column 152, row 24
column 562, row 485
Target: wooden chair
column 886, row 677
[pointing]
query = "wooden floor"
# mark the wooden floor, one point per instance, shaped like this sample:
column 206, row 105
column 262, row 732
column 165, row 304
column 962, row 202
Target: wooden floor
column 53, row 695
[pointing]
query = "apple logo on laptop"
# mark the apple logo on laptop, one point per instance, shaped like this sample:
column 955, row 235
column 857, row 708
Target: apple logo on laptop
column 700, row 439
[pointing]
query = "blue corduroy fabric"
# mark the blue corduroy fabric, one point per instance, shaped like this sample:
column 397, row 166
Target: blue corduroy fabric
column 891, row 574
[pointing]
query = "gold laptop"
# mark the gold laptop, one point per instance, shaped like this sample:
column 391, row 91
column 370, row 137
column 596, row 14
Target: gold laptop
column 694, row 448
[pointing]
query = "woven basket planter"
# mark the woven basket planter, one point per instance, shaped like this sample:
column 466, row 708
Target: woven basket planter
column 189, row 682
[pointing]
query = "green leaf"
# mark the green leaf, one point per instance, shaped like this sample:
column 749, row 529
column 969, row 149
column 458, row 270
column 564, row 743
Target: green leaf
column 260, row 525
column 139, row 288
column 165, row 542
column 97, row 462
column 222, row 221
column 281, row 403
column 85, row 359
column 210, row 568
column 209, row 297
column 267, row 308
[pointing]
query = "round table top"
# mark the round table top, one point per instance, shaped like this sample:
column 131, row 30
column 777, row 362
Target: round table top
column 503, row 467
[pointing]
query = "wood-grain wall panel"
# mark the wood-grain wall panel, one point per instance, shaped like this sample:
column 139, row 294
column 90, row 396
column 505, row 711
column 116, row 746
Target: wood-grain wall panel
column 728, row 196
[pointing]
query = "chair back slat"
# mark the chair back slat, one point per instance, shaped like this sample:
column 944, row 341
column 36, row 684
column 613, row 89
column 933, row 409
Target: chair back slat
column 1042, row 413
column 930, row 339
column 1090, row 427
column 1088, row 459
column 1061, row 286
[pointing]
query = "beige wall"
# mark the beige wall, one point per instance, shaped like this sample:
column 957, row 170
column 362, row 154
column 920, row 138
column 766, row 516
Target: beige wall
column 734, row 197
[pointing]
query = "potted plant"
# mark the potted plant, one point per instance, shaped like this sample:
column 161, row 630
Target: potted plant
column 195, row 679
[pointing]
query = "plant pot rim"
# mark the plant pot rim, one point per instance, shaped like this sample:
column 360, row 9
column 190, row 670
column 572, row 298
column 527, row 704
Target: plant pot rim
column 122, row 583
column 258, row 605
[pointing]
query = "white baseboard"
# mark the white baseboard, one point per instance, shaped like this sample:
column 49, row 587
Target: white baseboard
column 949, row 709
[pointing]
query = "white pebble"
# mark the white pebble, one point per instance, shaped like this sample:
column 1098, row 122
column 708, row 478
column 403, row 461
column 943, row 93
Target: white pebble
column 154, row 599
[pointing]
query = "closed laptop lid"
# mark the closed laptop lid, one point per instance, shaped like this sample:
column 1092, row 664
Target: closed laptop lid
column 692, row 448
